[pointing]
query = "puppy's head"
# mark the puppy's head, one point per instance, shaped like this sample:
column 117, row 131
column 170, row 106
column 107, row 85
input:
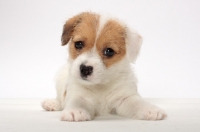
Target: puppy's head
column 98, row 46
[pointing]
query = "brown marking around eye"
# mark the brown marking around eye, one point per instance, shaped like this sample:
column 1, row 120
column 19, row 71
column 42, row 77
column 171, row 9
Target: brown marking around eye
column 112, row 36
column 86, row 32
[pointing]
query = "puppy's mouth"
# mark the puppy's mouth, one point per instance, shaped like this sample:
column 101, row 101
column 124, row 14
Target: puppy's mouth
column 85, row 71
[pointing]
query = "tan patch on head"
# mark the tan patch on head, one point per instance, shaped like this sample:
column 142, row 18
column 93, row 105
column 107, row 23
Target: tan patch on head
column 112, row 36
column 80, row 28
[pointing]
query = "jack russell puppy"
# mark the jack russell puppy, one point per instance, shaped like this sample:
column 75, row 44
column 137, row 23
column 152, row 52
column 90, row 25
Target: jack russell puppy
column 98, row 78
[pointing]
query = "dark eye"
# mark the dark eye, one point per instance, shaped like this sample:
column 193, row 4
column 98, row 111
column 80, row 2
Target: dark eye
column 109, row 52
column 79, row 44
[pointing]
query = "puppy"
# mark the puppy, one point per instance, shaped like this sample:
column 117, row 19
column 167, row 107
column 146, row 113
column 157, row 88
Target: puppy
column 97, row 78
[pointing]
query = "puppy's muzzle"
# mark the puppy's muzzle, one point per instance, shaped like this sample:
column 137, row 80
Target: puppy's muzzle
column 85, row 70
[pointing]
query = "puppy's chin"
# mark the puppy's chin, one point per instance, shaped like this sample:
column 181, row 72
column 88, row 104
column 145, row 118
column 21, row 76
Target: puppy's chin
column 87, row 81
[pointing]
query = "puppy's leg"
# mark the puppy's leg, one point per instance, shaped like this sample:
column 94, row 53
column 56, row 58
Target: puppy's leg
column 57, row 104
column 77, row 109
column 136, row 107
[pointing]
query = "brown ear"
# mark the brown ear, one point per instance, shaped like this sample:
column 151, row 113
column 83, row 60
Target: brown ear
column 68, row 29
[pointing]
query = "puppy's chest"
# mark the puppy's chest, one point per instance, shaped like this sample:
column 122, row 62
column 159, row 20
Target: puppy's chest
column 103, row 101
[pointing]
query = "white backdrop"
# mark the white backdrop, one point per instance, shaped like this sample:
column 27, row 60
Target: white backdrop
column 31, row 51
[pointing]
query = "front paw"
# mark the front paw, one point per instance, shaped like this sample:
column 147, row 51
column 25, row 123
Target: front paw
column 51, row 105
column 76, row 114
column 150, row 112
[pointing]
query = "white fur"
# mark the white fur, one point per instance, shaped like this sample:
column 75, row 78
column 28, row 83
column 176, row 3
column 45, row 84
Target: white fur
column 103, row 20
column 89, row 59
column 107, row 90
column 134, row 42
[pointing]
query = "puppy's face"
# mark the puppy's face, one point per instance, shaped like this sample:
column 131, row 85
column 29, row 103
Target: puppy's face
column 97, row 45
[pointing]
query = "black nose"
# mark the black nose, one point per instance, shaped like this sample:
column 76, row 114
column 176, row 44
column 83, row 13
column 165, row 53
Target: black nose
column 85, row 70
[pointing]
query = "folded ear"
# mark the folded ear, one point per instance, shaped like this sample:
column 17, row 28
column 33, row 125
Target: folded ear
column 134, row 42
column 68, row 29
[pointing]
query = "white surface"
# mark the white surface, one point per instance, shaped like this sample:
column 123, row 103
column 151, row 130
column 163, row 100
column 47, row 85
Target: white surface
column 30, row 51
column 26, row 115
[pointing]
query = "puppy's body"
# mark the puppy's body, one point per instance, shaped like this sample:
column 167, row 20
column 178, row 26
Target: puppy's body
column 98, row 78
